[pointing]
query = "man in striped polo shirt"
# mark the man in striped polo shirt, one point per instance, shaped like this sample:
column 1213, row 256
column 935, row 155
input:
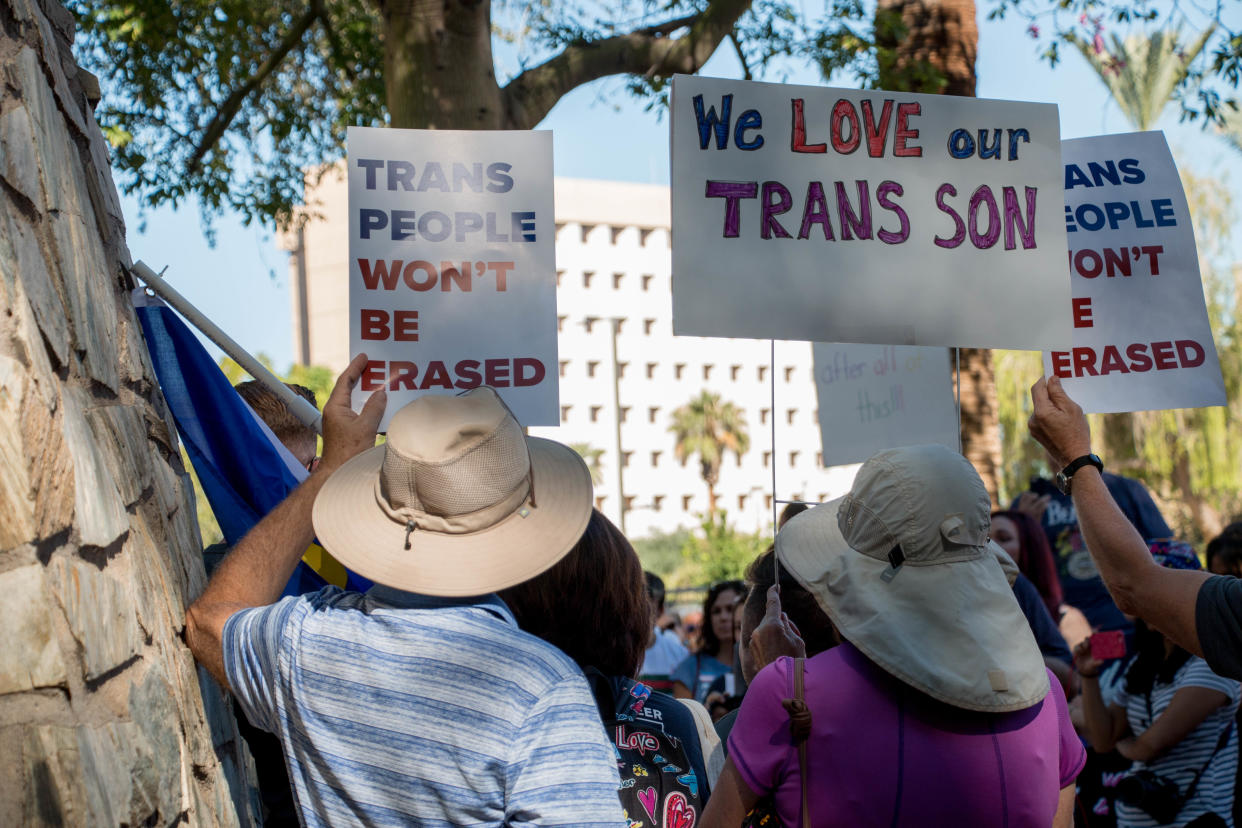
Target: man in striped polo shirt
column 420, row 701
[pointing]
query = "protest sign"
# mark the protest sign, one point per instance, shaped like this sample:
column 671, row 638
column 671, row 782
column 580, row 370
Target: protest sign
column 838, row 215
column 452, row 267
column 876, row 397
column 1141, row 337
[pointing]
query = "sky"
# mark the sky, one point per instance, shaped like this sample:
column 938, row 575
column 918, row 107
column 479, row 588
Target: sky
column 602, row 132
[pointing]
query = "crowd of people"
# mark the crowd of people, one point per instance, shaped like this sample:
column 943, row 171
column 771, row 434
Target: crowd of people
column 903, row 655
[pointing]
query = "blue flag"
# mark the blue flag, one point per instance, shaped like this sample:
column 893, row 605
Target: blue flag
column 244, row 470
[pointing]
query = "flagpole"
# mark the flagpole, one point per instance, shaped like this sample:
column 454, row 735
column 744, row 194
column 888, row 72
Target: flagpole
column 298, row 406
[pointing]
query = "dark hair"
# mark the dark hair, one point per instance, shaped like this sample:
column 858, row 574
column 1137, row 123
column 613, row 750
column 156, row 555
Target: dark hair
column 708, row 642
column 817, row 630
column 297, row 436
column 655, row 589
column 1228, row 547
column 791, row 510
column 591, row 604
column 1150, row 663
column 1035, row 559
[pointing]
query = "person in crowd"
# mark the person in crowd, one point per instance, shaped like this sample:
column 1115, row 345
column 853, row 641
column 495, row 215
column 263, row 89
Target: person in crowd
column 691, row 625
column 664, row 649
column 275, row 790
column 1198, row 612
column 670, row 622
column 297, row 436
column 791, row 511
column 1021, row 536
column 1082, row 588
column 1173, row 718
column 591, row 606
column 693, row 677
column 420, row 701
column 926, row 713
column 1224, row 552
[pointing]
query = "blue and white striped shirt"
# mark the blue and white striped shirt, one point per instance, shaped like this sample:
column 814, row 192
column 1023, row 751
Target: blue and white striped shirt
column 400, row 709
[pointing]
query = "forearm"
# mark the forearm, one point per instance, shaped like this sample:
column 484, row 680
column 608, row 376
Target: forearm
column 1096, row 716
column 254, row 573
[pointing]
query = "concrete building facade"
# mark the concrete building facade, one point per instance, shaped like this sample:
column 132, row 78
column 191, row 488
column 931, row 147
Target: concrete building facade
column 622, row 372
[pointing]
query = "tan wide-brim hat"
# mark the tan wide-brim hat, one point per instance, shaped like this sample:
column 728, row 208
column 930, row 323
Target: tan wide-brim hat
column 457, row 502
column 944, row 620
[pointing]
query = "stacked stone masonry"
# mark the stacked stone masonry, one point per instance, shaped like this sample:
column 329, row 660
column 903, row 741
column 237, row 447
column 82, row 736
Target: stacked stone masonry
column 105, row 719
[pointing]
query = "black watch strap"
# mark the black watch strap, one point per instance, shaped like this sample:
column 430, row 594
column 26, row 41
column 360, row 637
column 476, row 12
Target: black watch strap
column 1065, row 476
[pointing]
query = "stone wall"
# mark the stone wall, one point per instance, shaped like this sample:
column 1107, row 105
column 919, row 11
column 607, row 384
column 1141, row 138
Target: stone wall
column 104, row 717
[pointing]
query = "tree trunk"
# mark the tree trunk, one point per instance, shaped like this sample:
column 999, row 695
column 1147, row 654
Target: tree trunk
column 438, row 68
column 930, row 46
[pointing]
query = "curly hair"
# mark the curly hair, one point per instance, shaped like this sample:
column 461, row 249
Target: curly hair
column 592, row 604
column 1227, row 548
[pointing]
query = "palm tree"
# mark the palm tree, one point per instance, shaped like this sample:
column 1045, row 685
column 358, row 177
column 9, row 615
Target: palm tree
column 1143, row 71
column 591, row 456
column 709, row 427
column 930, row 46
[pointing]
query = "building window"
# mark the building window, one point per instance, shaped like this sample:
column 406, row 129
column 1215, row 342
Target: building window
column 793, row 458
column 647, row 277
column 595, row 409
column 560, row 274
column 789, row 415
column 741, row 502
column 648, row 324
column 789, row 369
column 616, row 233
column 767, row 459
column 763, row 372
column 685, row 502
column 619, row 322
column 823, row 496
column 589, row 323
column 599, row 501
column 616, row 280
column 586, row 231
column 625, row 413
column 629, row 503
column 560, row 324
column 621, row 366
column 559, row 226
column 564, row 365
column 678, row 369
column 591, row 366
column 734, row 370
column 651, row 366
column 565, row 413
column 655, row 457
column 625, row 459
column 587, row 275
column 763, row 415
column 652, row 413
column 657, row 502
column 819, row 460
column 767, row 501
column 707, row 371
column 799, row 498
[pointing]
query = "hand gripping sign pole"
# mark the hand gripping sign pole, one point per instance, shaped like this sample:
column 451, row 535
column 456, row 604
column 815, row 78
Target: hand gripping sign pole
column 298, row 406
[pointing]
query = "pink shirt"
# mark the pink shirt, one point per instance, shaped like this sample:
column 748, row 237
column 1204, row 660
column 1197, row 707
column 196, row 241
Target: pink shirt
column 882, row 753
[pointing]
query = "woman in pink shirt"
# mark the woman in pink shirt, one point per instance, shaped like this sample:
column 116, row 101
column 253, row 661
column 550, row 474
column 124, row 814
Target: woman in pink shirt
column 936, row 710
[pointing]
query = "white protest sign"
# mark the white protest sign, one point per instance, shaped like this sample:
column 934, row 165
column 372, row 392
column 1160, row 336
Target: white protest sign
column 452, row 266
column 1141, row 338
column 837, row 215
column 876, row 397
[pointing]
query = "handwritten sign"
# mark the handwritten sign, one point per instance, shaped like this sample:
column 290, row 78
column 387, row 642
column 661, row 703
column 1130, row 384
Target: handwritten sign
column 1141, row 338
column 838, row 215
column 876, row 397
column 452, row 268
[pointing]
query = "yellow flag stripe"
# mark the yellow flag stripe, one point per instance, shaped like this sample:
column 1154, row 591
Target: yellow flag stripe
column 327, row 567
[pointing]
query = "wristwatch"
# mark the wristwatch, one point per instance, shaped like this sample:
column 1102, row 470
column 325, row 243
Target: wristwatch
column 1063, row 478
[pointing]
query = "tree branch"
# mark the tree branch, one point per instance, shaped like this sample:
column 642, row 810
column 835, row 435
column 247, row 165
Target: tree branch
column 225, row 113
column 532, row 94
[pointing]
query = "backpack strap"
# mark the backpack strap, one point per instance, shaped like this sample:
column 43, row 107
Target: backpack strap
column 800, row 730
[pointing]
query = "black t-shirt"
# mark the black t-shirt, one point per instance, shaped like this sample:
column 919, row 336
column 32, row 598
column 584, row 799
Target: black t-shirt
column 1218, row 618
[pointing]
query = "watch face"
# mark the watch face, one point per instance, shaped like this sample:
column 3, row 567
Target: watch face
column 1062, row 483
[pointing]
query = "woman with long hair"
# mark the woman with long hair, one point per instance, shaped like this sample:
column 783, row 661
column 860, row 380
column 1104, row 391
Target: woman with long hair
column 1172, row 717
column 1023, row 538
column 713, row 657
